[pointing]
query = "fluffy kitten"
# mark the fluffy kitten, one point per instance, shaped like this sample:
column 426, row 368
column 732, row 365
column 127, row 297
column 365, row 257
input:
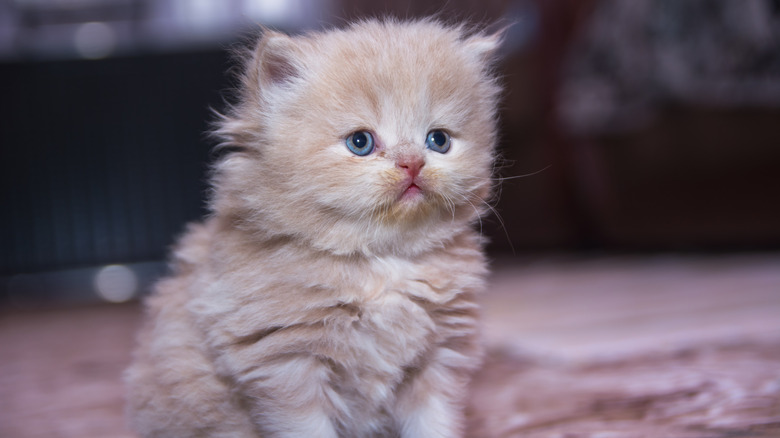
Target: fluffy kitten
column 330, row 293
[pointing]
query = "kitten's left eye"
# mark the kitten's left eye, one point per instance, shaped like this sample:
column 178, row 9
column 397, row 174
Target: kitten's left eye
column 360, row 143
column 438, row 141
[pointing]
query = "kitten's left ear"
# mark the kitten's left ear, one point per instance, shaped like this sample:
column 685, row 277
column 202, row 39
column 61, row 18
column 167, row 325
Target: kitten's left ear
column 485, row 45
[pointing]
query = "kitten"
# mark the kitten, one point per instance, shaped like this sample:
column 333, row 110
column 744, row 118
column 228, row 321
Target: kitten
column 331, row 291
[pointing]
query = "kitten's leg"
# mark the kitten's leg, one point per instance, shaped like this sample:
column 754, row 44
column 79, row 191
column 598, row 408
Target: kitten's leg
column 291, row 398
column 173, row 392
column 431, row 404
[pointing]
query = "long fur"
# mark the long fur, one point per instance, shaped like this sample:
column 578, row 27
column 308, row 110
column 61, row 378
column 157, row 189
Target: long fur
column 315, row 300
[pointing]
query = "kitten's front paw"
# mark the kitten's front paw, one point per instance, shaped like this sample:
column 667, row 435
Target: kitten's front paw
column 431, row 425
column 435, row 417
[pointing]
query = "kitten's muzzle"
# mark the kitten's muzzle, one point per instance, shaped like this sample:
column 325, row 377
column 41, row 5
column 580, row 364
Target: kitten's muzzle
column 411, row 164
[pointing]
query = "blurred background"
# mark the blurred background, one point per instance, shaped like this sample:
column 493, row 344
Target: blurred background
column 644, row 126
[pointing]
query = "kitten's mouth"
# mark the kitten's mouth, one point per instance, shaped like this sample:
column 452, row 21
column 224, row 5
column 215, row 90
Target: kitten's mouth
column 412, row 191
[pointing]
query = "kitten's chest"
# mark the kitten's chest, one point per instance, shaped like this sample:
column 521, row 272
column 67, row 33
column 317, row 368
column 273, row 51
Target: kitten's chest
column 398, row 325
column 389, row 321
column 384, row 337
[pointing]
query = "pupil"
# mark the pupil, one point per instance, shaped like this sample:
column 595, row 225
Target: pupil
column 359, row 140
column 438, row 138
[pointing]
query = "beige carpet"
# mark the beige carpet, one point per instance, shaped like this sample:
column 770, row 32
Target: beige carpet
column 706, row 391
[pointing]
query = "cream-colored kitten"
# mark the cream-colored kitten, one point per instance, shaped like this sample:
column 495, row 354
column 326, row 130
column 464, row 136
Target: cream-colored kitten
column 331, row 291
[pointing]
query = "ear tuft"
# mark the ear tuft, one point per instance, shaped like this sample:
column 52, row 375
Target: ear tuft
column 485, row 47
column 275, row 58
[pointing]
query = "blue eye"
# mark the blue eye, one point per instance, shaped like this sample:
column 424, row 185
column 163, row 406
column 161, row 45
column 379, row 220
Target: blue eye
column 360, row 143
column 438, row 141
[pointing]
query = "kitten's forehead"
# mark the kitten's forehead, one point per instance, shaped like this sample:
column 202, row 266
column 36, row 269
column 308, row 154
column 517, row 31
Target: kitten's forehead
column 414, row 74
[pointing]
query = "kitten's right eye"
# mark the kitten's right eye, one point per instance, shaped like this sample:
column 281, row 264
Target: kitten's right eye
column 360, row 143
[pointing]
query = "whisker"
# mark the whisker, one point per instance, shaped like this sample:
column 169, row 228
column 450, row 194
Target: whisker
column 464, row 195
column 505, row 178
column 450, row 206
column 501, row 222
column 479, row 216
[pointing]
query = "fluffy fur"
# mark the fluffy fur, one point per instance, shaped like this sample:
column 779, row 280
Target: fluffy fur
column 321, row 298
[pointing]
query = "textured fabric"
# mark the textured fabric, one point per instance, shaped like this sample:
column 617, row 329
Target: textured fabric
column 634, row 56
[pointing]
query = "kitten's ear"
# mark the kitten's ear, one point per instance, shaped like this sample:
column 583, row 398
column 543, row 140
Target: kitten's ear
column 485, row 45
column 275, row 59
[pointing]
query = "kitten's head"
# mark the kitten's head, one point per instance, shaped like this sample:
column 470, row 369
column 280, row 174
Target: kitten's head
column 374, row 139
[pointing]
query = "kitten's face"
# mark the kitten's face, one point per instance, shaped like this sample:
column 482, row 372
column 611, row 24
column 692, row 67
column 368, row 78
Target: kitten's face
column 376, row 138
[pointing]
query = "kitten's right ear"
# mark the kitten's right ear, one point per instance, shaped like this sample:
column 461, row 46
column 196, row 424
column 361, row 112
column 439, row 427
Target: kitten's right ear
column 275, row 59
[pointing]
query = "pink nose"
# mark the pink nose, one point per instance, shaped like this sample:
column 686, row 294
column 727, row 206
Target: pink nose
column 411, row 164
